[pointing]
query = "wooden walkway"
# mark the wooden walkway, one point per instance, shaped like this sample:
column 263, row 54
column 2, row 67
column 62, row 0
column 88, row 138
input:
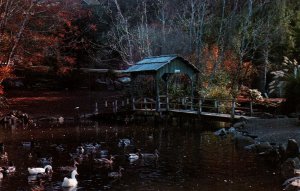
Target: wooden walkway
column 219, row 110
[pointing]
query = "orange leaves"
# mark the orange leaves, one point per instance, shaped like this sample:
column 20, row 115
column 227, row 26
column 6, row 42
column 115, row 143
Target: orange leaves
column 93, row 27
column 64, row 70
column 70, row 60
column 5, row 72
column 68, row 23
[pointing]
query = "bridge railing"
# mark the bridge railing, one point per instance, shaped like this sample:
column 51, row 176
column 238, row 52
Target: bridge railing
column 167, row 103
column 228, row 106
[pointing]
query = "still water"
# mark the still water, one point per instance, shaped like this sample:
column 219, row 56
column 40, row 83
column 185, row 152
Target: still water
column 191, row 158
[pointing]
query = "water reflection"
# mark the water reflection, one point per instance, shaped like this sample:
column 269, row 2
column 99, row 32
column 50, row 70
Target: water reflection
column 189, row 159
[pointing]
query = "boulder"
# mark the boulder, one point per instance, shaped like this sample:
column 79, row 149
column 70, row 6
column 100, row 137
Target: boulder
column 263, row 147
column 242, row 141
column 259, row 147
column 288, row 167
column 220, row 132
column 292, row 149
column 251, row 147
column 271, row 157
column 239, row 125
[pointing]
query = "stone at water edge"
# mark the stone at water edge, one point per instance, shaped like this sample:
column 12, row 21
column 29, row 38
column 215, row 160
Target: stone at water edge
column 239, row 125
column 242, row 141
column 288, row 167
column 292, row 149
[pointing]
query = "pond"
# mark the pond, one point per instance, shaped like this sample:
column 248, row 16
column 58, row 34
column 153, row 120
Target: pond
column 190, row 158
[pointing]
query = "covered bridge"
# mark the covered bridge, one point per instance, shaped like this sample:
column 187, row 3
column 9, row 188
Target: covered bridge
column 162, row 67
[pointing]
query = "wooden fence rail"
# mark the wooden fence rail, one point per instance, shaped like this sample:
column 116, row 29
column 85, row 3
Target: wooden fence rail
column 182, row 104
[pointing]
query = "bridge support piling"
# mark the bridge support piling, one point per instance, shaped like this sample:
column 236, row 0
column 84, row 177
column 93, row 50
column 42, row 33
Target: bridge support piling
column 232, row 109
column 251, row 108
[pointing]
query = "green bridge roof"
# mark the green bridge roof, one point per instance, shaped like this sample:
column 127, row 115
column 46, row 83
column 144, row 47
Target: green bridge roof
column 163, row 64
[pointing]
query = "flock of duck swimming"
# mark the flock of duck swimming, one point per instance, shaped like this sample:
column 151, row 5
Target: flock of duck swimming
column 84, row 151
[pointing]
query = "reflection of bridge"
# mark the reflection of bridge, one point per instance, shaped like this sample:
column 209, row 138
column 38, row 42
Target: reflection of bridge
column 215, row 109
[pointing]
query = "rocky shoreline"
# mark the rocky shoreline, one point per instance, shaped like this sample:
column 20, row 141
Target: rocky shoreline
column 276, row 140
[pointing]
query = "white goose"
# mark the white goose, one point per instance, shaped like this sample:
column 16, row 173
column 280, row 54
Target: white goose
column 70, row 182
column 133, row 156
column 39, row 170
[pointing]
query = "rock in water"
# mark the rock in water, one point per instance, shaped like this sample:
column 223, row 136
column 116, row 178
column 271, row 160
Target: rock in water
column 288, row 167
column 242, row 141
column 292, row 149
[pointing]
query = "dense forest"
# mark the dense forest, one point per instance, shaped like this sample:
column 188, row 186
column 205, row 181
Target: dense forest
column 234, row 43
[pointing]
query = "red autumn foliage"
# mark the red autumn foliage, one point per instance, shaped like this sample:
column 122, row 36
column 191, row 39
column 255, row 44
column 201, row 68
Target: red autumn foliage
column 230, row 64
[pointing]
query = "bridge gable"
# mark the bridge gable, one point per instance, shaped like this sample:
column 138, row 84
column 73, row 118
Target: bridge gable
column 160, row 65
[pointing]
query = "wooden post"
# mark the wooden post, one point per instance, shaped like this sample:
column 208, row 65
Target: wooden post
column 233, row 109
column 157, row 94
column 145, row 102
column 116, row 105
column 200, row 106
column 217, row 106
column 133, row 104
column 113, row 107
column 184, row 103
column 158, row 104
column 251, row 108
column 167, row 100
column 192, row 93
column 96, row 108
column 106, row 105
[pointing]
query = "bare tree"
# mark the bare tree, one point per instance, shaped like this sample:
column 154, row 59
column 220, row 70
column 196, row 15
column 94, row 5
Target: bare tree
column 120, row 36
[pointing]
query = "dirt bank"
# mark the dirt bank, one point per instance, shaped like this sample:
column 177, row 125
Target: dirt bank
column 274, row 130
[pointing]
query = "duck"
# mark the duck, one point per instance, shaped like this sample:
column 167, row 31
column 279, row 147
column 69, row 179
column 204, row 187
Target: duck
column 80, row 150
column 11, row 168
column 133, row 156
column 91, row 147
column 103, row 153
column 37, row 187
column 4, row 156
column 124, row 142
column 59, row 148
column 37, row 170
column 69, row 168
column 27, row 144
column 104, row 161
column 45, row 161
column 154, row 155
column 116, row 174
column 70, row 182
